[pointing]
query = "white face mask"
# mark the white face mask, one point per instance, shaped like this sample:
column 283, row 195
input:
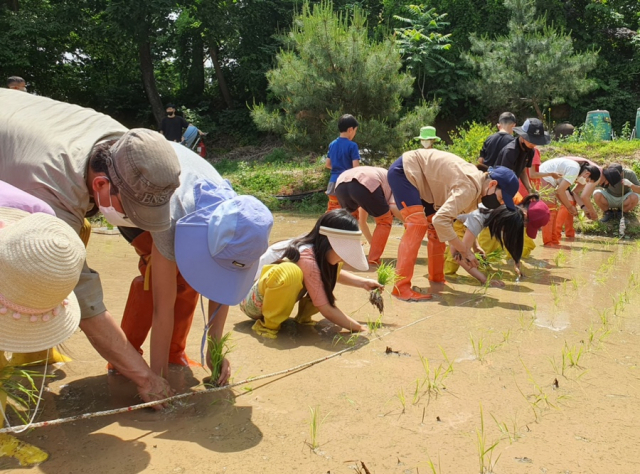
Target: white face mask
column 581, row 180
column 114, row 217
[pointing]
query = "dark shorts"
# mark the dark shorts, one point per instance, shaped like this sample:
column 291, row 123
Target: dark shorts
column 405, row 193
column 352, row 195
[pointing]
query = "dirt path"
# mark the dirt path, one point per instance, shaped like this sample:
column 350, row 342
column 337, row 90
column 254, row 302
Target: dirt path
column 551, row 362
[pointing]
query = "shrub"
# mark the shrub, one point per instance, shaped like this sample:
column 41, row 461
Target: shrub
column 467, row 141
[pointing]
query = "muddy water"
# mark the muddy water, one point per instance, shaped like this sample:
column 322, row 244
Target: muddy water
column 551, row 361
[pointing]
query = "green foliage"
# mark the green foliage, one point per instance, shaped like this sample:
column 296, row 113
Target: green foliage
column 534, row 62
column 275, row 176
column 421, row 43
column 332, row 67
column 601, row 152
column 467, row 141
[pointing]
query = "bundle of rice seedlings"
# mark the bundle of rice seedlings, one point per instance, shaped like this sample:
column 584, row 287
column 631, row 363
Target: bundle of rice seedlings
column 217, row 350
column 18, row 387
column 386, row 276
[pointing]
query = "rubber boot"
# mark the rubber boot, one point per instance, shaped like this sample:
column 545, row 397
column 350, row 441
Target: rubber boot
column 380, row 237
column 528, row 245
column 415, row 228
column 39, row 358
column 280, row 287
column 565, row 219
column 549, row 233
column 435, row 252
column 333, row 204
column 306, row 309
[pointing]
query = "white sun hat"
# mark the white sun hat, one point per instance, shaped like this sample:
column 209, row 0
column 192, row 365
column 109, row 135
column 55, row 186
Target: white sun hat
column 41, row 258
column 348, row 245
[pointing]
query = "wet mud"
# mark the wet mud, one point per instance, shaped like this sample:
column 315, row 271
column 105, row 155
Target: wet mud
column 550, row 363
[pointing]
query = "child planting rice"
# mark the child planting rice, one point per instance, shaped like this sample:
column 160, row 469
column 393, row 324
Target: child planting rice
column 507, row 227
column 306, row 270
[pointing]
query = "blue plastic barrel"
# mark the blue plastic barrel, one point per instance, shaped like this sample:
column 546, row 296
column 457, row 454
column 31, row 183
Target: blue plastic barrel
column 598, row 125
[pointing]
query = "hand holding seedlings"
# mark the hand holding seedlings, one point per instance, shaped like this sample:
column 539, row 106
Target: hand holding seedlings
column 386, row 276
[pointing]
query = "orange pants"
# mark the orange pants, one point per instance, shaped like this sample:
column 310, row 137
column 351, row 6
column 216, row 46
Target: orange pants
column 138, row 313
column 565, row 220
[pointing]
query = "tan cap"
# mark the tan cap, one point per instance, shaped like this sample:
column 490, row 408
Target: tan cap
column 146, row 170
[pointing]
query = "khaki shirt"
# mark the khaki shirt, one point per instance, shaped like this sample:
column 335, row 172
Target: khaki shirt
column 448, row 182
column 44, row 150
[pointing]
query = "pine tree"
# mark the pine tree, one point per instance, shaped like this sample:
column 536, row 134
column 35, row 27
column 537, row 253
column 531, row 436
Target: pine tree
column 331, row 67
column 535, row 62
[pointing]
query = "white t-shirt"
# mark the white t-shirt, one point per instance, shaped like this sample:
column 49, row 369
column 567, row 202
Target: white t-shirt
column 569, row 170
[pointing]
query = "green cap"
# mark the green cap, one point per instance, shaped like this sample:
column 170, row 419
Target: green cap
column 428, row 133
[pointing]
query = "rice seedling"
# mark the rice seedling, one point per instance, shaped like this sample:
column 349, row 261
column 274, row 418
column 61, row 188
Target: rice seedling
column 508, row 431
column 481, row 348
column 574, row 283
column 485, row 450
column 539, row 400
column 526, row 322
column 491, row 258
column 560, row 258
column 402, row 398
column 554, row 293
column 416, row 392
column 314, row 427
column 603, row 314
column 374, row 326
column 217, row 350
column 387, row 276
column 432, row 466
column 434, row 379
column 18, row 386
column 571, row 357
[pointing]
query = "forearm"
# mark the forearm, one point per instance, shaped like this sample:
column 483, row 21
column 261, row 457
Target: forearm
column 460, row 245
column 109, row 340
column 524, row 177
column 216, row 328
column 327, row 163
column 336, row 316
column 349, row 279
column 165, row 291
column 364, row 227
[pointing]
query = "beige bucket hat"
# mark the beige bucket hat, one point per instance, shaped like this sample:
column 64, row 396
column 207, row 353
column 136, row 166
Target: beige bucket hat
column 41, row 258
column 348, row 245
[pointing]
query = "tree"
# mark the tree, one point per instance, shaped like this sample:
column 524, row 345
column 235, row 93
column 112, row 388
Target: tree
column 535, row 63
column 332, row 67
column 421, row 43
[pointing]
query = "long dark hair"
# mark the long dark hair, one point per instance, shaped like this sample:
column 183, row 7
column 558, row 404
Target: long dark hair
column 337, row 219
column 594, row 171
column 507, row 227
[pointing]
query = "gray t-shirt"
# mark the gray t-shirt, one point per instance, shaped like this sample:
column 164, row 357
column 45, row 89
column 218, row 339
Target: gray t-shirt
column 192, row 168
column 474, row 221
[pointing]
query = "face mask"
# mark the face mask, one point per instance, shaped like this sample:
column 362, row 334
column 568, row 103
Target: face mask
column 490, row 201
column 114, row 217
column 581, row 180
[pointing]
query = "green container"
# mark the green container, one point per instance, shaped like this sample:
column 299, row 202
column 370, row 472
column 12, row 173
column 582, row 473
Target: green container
column 637, row 129
column 598, row 124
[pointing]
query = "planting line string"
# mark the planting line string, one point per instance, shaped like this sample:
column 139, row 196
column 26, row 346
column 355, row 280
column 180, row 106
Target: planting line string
column 306, row 365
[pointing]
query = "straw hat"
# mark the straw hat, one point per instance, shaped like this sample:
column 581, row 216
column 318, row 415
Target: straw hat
column 347, row 244
column 41, row 258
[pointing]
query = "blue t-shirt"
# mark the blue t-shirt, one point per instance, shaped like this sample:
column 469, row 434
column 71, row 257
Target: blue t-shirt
column 342, row 153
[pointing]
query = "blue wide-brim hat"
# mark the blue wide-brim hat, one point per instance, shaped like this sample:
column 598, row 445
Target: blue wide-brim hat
column 219, row 245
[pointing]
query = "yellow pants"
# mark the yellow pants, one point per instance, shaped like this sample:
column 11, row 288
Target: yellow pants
column 278, row 290
column 486, row 242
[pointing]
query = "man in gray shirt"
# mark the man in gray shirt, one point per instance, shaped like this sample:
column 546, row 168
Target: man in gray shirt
column 75, row 159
